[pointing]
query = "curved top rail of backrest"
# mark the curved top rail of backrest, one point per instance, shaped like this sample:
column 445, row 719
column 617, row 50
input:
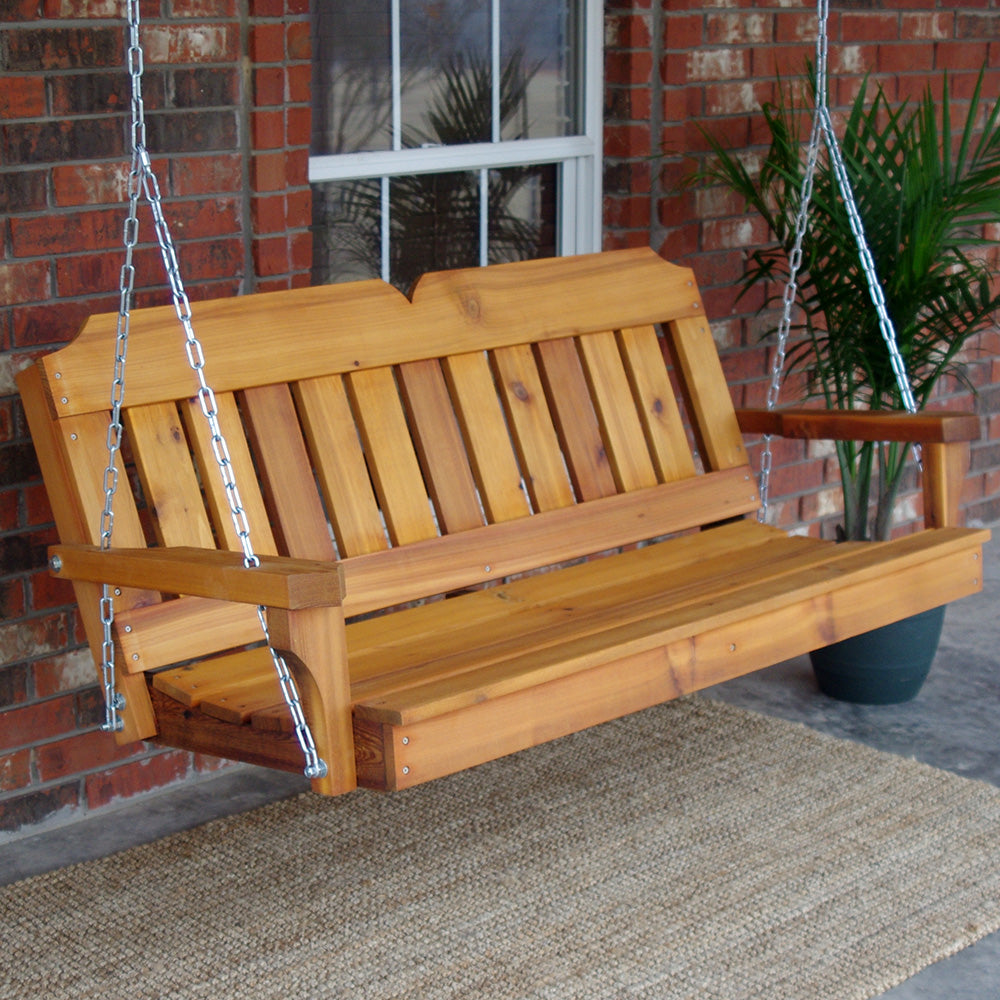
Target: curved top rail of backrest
column 284, row 336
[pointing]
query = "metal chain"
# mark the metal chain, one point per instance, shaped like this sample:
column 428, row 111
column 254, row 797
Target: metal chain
column 141, row 176
column 822, row 125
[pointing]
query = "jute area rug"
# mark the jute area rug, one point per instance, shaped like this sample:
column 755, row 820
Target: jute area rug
column 692, row 851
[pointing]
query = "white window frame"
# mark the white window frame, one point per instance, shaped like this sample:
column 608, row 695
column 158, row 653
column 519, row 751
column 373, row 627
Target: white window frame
column 578, row 157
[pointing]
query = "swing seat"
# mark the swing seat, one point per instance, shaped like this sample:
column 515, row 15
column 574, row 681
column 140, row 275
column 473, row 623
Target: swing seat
column 489, row 515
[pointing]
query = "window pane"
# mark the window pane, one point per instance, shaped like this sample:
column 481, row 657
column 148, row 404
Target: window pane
column 445, row 70
column 522, row 220
column 536, row 45
column 352, row 76
column 347, row 239
column 433, row 224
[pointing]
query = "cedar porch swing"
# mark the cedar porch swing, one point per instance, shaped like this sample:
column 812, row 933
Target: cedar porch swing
column 408, row 467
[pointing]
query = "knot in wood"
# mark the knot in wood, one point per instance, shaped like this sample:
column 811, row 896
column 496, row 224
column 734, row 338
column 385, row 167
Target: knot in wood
column 520, row 391
column 472, row 306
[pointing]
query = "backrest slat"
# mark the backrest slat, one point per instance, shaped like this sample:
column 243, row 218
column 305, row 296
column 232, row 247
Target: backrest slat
column 340, row 464
column 285, row 471
column 658, row 410
column 575, row 419
column 169, row 479
column 481, row 418
column 440, row 447
column 531, row 424
column 392, row 458
column 620, row 426
column 231, row 426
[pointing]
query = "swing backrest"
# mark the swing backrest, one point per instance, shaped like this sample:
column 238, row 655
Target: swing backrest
column 399, row 436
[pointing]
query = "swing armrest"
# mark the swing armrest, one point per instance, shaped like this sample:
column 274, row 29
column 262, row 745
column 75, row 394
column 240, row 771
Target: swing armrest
column 279, row 582
column 862, row 425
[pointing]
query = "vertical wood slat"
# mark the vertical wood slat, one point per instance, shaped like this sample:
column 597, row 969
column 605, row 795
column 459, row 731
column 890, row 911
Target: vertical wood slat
column 620, row 425
column 244, row 473
column 392, row 459
column 439, row 446
column 533, row 430
column 480, row 415
column 286, row 472
column 658, row 410
column 168, row 476
column 333, row 439
column 576, row 422
column 706, row 394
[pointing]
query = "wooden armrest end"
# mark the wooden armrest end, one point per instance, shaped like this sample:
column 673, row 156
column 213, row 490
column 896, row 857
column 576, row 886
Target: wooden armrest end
column 926, row 427
column 277, row 582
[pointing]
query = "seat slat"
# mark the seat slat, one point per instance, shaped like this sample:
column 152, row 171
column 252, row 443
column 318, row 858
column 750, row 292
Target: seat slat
column 576, row 422
column 848, row 579
column 286, row 473
column 535, row 437
column 470, row 383
column 620, row 425
column 392, row 459
column 214, row 678
column 439, row 446
column 658, row 410
column 340, row 462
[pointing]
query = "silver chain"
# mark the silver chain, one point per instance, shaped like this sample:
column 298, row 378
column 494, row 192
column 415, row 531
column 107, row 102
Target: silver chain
column 822, row 125
column 142, row 177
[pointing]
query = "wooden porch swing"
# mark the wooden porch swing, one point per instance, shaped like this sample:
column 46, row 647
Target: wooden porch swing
column 480, row 519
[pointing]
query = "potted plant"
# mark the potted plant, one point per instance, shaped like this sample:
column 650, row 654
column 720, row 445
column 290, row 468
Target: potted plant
column 924, row 192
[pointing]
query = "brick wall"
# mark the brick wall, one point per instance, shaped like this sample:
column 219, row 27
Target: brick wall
column 226, row 89
column 672, row 66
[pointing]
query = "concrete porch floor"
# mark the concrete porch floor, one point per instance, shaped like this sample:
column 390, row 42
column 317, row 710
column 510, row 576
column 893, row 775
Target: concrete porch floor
column 953, row 724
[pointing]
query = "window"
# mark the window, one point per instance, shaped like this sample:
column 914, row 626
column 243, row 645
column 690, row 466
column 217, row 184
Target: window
column 451, row 133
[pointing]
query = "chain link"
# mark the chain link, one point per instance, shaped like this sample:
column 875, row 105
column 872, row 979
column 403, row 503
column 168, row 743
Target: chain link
column 143, row 180
column 822, row 126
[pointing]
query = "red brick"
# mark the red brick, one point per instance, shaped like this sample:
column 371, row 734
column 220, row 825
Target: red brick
column 34, row 723
column 24, row 282
column 298, row 122
column 959, row 55
column 176, row 44
column 196, row 175
column 930, row 25
column 268, row 214
column 269, row 86
column 905, row 58
column 628, row 67
column 298, row 208
column 267, row 172
column 55, row 323
column 743, row 28
column 267, row 129
column 868, row 26
column 22, row 97
column 627, row 31
column 298, row 41
column 267, row 43
column 626, row 140
column 66, row 232
column 15, row 770
column 683, row 31
column 134, row 778
column 207, row 9
column 64, row 673
column 299, row 83
column 90, row 183
column 83, row 752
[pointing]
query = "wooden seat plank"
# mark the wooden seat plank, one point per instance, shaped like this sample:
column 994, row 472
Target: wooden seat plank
column 628, row 452
column 213, row 678
column 440, row 447
column 535, row 438
column 658, row 410
column 922, row 578
column 285, row 471
column 340, row 464
column 392, row 458
column 575, row 420
column 498, row 478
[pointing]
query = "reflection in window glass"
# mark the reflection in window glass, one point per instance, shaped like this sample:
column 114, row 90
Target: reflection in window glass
column 347, row 238
column 536, row 41
column 522, row 222
column 352, row 76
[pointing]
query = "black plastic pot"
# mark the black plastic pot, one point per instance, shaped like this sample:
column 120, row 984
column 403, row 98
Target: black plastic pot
column 883, row 667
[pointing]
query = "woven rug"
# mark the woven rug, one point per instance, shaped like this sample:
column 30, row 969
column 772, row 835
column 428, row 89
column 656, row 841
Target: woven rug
column 691, row 851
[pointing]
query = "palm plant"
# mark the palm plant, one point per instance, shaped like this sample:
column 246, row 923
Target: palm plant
column 924, row 192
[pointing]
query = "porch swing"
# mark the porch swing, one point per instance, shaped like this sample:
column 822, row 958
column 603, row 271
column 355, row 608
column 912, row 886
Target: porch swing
column 478, row 523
